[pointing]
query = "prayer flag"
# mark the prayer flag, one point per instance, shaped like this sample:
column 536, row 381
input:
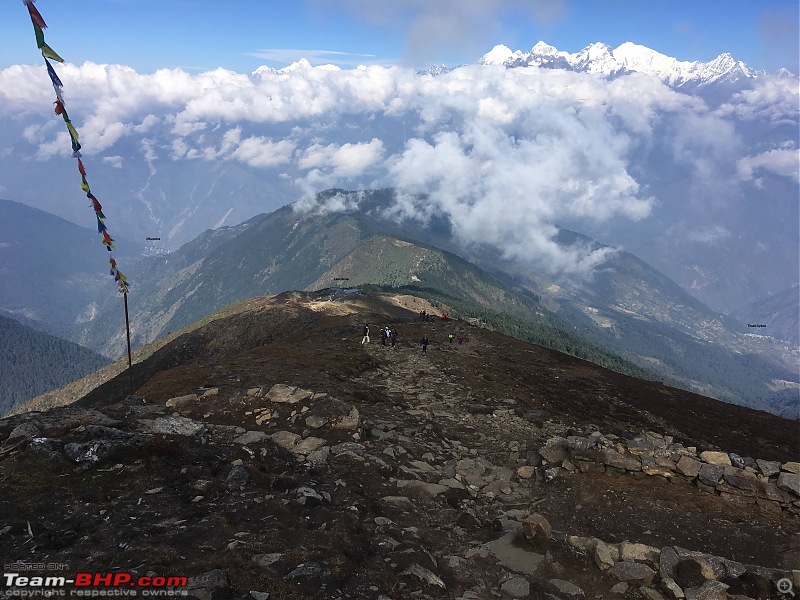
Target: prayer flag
column 35, row 16
column 48, row 52
column 39, row 35
column 53, row 77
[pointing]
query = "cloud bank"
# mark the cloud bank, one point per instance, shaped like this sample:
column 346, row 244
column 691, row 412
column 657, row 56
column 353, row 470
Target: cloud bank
column 507, row 154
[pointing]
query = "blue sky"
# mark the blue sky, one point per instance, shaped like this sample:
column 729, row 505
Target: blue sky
column 241, row 35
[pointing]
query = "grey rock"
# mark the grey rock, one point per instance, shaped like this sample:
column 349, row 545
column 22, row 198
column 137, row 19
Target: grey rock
column 737, row 461
column 251, row 437
column 206, row 585
column 649, row 593
column 286, row 439
column 710, row 474
column 555, row 451
column 310, row 569
column 23, row 431
column 671, row 589
column 397, row 502
column 308, row 445
column 513, row 557
column 602, row 556
column 537, row 528
column 710, row 590
column 287, row 394
column 267, row 560
column 516, row 587
column 577, row 442
column 319, row 457
column 566, row 589
column 639, row 553
column 237, row 478
column 172, row 425
column 316, row 421
column 768, row 468
column 666, row 563
column 259, row 595
column 621, row 461
column 428, row 489
column 689, row 466
column 425, row 575
column 633, row 571
column 533, row 458
column 789, row 482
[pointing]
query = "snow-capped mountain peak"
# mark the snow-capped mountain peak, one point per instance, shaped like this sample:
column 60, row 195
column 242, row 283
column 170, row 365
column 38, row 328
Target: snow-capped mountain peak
column 498, row 55
column 601, row 59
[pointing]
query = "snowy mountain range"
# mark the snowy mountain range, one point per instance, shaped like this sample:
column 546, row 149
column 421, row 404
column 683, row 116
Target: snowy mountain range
column 603, row 60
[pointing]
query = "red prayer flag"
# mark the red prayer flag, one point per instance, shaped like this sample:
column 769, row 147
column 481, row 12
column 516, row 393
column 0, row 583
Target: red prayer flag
column 59, row 107
column 35, row 16
column 81, row 170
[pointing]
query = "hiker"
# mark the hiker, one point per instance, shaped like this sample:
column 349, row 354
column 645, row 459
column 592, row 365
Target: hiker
column 461, row 339
column 393, row 337
column 450, row 336
column 383, row 336
column 365, row 339
column 424, row 342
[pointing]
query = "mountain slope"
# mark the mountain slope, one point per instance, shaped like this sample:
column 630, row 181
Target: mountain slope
column 627, row 309
column 33, row 362
column 779, row 312
column 51, row 269
column 310, row 466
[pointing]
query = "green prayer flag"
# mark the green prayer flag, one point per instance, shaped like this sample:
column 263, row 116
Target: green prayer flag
column 39, row 36
column 48, row 52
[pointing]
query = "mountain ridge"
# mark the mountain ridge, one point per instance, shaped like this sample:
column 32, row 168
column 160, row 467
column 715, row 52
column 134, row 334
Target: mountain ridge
column 601, row 59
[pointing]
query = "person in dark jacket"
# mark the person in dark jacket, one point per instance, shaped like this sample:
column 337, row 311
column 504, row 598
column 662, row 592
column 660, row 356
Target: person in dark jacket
column 424, row 342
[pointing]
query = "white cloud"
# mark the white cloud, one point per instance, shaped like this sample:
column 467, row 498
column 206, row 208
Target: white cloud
column 261, row 152
column 781, row 161
column 114, row 161
column 506, row 153
column 347, row 160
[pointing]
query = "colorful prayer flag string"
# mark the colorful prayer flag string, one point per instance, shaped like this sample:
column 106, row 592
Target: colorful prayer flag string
column 39, row 26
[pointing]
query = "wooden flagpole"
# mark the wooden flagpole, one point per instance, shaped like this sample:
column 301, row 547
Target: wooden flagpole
column 128, row 333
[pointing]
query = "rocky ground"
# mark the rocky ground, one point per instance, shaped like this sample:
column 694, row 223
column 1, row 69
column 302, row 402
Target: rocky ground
column 271, row 455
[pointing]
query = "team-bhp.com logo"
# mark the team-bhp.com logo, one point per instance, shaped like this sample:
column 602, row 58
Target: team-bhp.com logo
column 92, row 585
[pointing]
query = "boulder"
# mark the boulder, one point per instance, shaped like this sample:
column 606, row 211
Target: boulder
column 791, row 467
column 602, row 556
column 639, row 553
column 536, row 528
column 720, row 459
column 565, row 589
column 633, row 571
column 710, row 590
column 689, row 466
column 621, row 461
column 710, row 474
column 181, row 402
column 516, row 587
column 287, row 394
column 768, row 468
column 789, row 482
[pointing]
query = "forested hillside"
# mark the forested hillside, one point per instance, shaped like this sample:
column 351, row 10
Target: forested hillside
column 32, row 362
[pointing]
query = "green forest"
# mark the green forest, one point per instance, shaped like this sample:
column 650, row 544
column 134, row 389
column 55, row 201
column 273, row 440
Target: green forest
column 32, row 362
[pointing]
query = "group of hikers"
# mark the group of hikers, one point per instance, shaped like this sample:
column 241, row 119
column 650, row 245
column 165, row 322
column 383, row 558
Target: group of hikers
column 389, row 337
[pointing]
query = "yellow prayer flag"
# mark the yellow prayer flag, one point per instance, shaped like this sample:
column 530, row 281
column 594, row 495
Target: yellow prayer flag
column 48, row 52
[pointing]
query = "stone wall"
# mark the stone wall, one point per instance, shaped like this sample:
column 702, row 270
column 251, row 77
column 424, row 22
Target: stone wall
column 742, row 480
